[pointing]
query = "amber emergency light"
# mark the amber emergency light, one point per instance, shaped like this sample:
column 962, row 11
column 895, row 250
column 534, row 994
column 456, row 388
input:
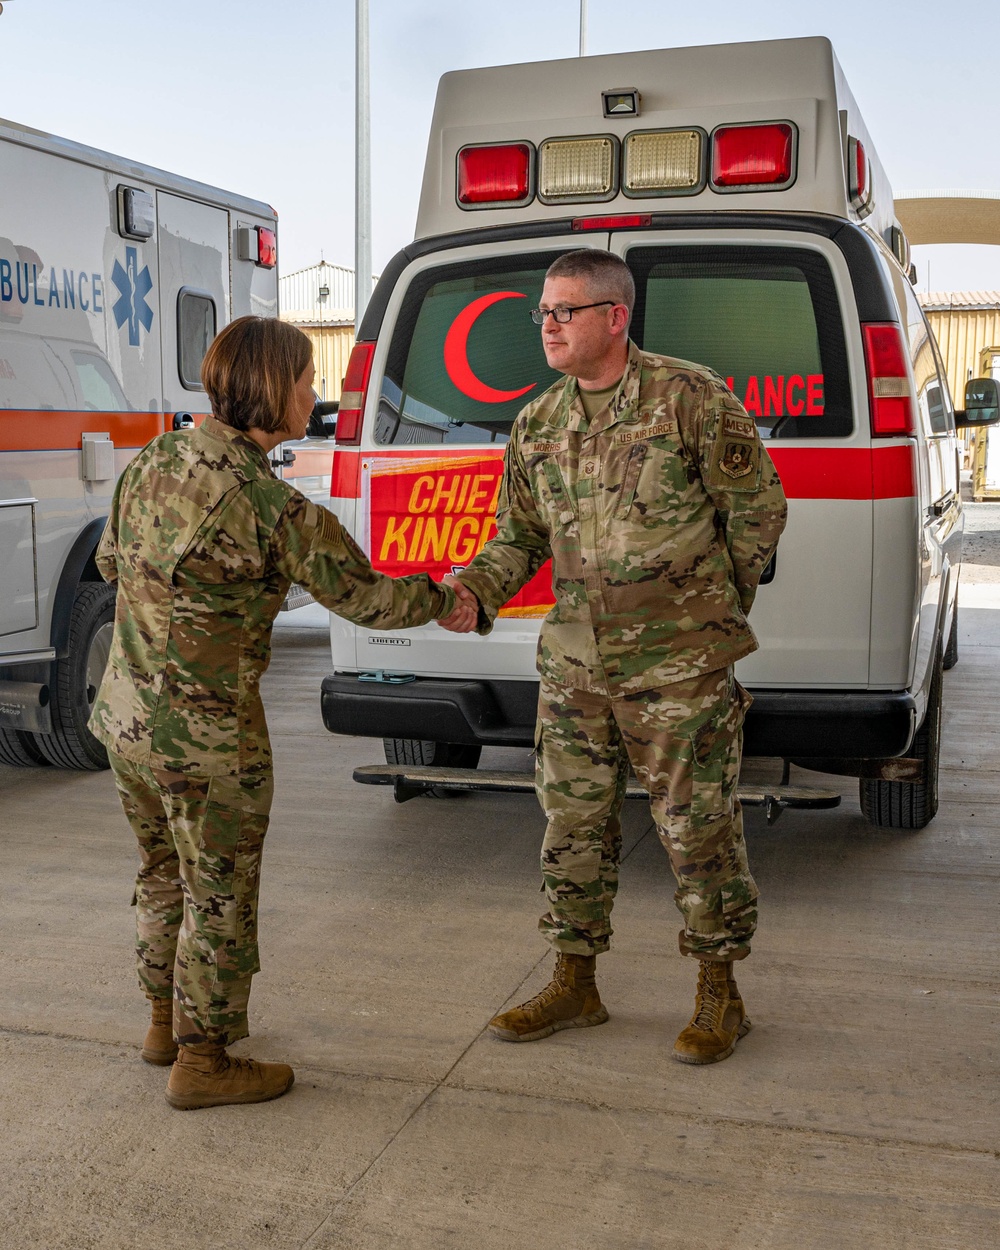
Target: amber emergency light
column 577, row 169
column 662, row 162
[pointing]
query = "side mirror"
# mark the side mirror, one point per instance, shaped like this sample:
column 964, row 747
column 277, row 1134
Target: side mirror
column 982, row 403
column 323, row 419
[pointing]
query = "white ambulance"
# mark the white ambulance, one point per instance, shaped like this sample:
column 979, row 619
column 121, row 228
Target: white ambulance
column 741, row 186
column 114, row 278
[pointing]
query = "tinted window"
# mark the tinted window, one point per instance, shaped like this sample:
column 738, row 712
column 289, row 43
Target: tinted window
column 195, row 331
column 465, row 356
column 767, row 320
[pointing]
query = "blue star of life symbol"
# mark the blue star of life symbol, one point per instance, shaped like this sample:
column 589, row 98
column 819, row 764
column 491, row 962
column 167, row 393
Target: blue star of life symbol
column 133, row 288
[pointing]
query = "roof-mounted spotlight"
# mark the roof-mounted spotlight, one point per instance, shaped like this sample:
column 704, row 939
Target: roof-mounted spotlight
column 622, row 102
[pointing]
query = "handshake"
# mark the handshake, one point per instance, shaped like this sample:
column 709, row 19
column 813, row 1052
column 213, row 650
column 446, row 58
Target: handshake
column 465, row 614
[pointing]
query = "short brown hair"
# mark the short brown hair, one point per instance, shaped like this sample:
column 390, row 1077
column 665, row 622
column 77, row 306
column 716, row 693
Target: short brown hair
column 605, row 274
column 250, row 369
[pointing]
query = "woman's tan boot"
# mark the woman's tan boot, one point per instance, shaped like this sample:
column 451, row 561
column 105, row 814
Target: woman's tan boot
column 719, row 1019
column 159, row 1046
column 569, row 1001
column 206, row 1076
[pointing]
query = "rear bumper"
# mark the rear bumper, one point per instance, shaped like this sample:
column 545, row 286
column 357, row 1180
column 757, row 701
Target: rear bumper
column 797, row 724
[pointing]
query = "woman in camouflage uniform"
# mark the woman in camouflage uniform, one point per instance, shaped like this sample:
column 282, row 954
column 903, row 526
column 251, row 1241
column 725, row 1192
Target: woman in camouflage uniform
column 203, row 543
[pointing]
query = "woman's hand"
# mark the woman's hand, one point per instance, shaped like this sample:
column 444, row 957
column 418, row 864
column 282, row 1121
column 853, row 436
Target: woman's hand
column 465, row 614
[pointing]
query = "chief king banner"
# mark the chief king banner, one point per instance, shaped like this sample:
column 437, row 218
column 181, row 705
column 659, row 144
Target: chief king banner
column 433, row 516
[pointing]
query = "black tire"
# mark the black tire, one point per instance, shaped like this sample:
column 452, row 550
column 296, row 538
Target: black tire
column 431, row 754
column 951, row 650
column 20, row 749
column 896, row 805
column 75, row 681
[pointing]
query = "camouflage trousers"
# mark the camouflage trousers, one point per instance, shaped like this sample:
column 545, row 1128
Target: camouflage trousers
column 684, row 741
column 200, row 842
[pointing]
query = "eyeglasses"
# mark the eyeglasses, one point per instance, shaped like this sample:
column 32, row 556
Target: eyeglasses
column 564, row 315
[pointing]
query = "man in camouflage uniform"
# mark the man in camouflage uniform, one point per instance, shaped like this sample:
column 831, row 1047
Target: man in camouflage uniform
column 646, row 482
column 203, row 542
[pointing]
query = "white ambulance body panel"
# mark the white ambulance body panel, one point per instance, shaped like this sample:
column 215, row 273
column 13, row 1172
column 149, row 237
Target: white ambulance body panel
column 91, row 328
column 774, row 257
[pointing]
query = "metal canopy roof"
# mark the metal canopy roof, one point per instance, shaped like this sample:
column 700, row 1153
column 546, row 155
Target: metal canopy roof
column 949, row 216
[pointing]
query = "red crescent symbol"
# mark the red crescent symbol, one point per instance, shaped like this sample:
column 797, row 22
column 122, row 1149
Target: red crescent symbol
column 456, row 352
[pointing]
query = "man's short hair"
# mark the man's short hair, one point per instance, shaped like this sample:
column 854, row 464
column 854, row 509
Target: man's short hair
column 251, row 369
column 606, row 275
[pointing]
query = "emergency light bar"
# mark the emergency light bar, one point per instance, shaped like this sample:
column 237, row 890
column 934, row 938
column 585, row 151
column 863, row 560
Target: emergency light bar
column 745, row 156
column 663, row 162
column 578, row 169
column 753, row 157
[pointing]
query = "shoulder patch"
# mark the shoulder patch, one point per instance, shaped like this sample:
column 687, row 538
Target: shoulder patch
column 737, row 459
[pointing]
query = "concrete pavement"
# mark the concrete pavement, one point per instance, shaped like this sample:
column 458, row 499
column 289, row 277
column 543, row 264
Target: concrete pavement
column 862, row 1111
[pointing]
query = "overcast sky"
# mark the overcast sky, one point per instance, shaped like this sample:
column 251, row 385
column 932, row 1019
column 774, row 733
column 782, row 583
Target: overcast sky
column 258, row 97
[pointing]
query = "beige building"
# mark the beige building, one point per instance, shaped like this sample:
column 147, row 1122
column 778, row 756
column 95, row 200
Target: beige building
column 320, row 301
column 966, row 325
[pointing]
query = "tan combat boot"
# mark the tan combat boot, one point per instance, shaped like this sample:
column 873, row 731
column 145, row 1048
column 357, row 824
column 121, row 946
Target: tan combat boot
column 569, row 1001
column 159, row 1046
column 719, row 1019
column 206, row 1076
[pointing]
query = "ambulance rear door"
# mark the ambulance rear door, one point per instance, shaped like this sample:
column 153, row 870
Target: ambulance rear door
column 194, row 288
column 773, row 313
column 457, row 358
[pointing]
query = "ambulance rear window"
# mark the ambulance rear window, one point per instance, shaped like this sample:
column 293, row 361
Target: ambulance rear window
column 465, row 357
column 766, row 319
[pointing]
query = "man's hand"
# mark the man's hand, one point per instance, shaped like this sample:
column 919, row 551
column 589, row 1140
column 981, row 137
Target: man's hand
column 465, row 614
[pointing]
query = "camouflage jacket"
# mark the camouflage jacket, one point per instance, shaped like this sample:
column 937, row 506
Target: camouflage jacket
column 659, row 515
column 203, row 541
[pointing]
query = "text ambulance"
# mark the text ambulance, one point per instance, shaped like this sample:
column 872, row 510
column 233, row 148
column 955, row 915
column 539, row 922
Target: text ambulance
column 740, row 185
column 114, row 278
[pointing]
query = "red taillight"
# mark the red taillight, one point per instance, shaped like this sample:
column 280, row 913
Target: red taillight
column 500, row 173
column 352, row 398
column 267, row 248
column 753, row 156
column 888, row 385
column 626, row 222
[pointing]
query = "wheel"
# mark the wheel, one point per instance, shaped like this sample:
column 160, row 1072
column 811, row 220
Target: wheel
column 896, row 805
column 20, row 749
column 951, row 650
column 431, row 754
column 77, row 678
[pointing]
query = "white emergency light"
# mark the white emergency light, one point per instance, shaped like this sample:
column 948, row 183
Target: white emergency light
column 136, row 213
column 582, row 168
column 664, row 162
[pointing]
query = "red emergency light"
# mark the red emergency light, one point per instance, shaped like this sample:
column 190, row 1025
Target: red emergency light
column 498, row 173
column 889, row 391
column 752, row 157
column 352, row 398
column 267, row 248
column 857, row 173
